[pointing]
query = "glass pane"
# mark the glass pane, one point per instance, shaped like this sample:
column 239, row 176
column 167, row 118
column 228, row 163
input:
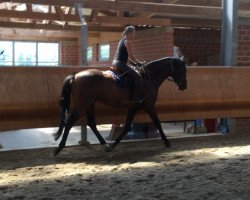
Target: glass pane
column 7, row 57
column 104, row 52
column 48, row 54
column 90, row 53
column 25, row 53
column 47, row 64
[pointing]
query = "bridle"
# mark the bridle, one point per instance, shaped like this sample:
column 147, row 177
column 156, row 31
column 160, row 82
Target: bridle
column 169, row 78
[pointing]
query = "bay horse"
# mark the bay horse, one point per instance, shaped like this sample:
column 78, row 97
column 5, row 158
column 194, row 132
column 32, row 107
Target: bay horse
column 92, row 85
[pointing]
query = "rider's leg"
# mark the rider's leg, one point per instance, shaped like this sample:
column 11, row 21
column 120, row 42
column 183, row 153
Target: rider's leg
column 137, row 80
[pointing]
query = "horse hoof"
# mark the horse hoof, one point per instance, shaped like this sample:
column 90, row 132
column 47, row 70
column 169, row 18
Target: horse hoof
column 56, row 136
column 167, row 144
column 108, row 147
column 57, row 151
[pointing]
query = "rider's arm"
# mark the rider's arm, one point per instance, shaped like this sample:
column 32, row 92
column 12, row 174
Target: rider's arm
column 131, row 56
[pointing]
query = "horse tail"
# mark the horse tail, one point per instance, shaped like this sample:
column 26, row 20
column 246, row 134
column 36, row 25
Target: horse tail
column 64, row 104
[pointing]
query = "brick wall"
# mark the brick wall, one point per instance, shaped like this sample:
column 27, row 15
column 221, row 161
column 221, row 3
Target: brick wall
column 154, row 44
column 198, row 45
column 69, row 53
column 243, row 58
column 148, row 45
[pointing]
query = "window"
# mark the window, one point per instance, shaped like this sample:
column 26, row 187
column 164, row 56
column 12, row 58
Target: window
column 18, row 53
column 90, row 54
column 25, row 53
column 104, row 52
column 7, row 57
column 48, row 54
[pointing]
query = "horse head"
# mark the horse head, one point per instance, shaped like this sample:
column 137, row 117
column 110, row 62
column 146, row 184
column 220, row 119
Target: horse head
column 179, row 72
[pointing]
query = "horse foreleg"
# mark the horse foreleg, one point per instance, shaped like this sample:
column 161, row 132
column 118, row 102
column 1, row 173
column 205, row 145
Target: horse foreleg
column 153, row 115
column 130, row 118
column 73, row 117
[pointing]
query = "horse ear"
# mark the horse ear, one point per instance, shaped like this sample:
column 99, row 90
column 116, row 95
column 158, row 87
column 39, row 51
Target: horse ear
column 183, row 59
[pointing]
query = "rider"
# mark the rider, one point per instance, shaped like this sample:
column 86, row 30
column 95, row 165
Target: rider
column 124, row 53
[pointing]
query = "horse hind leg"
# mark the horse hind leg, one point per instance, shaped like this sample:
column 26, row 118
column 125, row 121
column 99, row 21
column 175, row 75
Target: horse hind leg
column 92, row 125
column 129, row 120
column 73, row 117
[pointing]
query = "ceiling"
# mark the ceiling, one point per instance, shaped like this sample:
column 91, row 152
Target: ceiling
column 112, row 15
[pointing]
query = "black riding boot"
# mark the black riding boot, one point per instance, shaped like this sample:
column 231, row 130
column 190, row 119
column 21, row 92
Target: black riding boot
column 136, row 93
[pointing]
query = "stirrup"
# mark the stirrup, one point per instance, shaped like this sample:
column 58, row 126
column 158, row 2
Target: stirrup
column 139, row 101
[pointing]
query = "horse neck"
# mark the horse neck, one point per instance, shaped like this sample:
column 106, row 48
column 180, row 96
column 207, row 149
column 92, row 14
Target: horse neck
column 158, row 71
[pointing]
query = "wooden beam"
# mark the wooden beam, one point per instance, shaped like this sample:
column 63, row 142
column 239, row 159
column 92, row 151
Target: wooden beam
column 49, row 2
column 75, row 18
column 107, row 12
column 60, row 12
column 38, row 16
column 29, row 8
column 68, row 12
column 37, row 26
column 49, row 11
column 93, row 15
column 133, row 21
column 244, row 4
column 46, row 35
column 212, row 3
column 120, row 14
column 171, row 9
column 143, row 15
column 111, row 5
column 58, row 27
column 196, row 23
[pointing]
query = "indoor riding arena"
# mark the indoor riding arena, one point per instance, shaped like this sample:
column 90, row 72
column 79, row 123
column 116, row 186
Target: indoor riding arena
column 125, row 100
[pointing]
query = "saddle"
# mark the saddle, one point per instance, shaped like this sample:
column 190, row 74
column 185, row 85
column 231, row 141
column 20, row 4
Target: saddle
column 121, row 79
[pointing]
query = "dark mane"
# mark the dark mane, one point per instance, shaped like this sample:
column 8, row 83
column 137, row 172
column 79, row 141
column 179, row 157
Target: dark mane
column 152, row 65
column 156, row 71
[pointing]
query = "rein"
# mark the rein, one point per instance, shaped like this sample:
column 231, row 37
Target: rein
column 143, row 69
column 168, row 78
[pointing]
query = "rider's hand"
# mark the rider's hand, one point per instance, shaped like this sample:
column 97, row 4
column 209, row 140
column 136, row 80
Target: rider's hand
column 140, row 64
